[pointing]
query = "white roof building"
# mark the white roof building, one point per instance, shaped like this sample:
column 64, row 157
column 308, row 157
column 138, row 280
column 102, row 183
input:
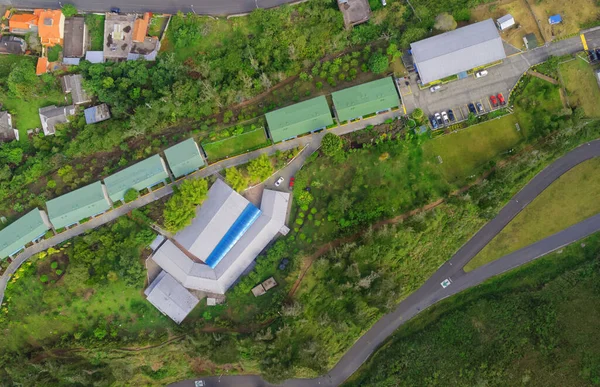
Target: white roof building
column 172, row 299
column 505, row 22
column 227, row 234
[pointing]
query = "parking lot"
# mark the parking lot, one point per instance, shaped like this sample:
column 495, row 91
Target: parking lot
column 458, row 94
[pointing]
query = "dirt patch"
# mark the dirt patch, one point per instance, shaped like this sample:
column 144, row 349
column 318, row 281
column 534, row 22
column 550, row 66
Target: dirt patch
column 524, row 19
column 88, row 293
column 574, row 13
column 52, row 268
column 542, row 76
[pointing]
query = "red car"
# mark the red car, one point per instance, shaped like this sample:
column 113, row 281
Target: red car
column 501, row 99
column 292, row 180
column 493, row 101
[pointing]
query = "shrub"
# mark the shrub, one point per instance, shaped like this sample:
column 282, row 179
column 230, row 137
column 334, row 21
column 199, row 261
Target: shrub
column 54, row 52
column 130, row 195
column 302, row 214
column 300, row 221
column 378, row 63
column 44, row 278
column 206, row 315
column 59, row 272
column 69, row 10
column 54, row 265
column 310, row 217
column 313, row 210
column 304, row 208
column 51, row 184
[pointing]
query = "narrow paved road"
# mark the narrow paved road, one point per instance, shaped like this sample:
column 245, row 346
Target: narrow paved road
column 312, row 143
column 431, row 292
column 204, row 7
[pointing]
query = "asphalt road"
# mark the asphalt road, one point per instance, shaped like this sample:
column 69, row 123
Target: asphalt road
column 431, row 292
column 204, row 7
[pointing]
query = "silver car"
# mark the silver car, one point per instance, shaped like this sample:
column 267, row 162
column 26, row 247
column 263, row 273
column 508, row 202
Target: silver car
column 279, row 181
column 445, row 118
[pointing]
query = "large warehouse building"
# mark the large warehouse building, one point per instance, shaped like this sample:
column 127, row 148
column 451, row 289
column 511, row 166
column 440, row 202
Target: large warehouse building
column 456, row 52
column 225, row 237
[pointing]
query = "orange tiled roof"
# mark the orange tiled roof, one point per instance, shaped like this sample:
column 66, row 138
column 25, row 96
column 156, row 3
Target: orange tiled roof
column 140, row 28
column 42, row 66
column 23, row 21
column 51, row 27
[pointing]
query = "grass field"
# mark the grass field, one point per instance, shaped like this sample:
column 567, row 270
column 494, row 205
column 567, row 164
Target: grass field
column 465, row 152
column 519, row 10
column 535, row 326
column 233, row 146
column 25, row 115
column 538, row 102
column 95, row 25
column 574, row 13
column 569, row 200
column 582, row 87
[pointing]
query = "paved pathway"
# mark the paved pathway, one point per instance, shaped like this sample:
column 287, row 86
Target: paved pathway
column 313, row 141
column 431, row 292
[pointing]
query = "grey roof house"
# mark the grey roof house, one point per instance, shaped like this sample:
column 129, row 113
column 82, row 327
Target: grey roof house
column 52, row 115
column 224, row 239
column 12, row 45
column 7, row 132
column 170, row 297
column 96, row 114
column 94, row 56
column 75, row 37
column 457, row 51
column 74, row 84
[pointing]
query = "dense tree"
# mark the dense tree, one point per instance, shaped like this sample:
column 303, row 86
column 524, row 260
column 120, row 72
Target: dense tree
column 378, row 63
column 180, row 209
column 260, row 168
column 331, row 144
column 130, row 195
column 236, row 179
column 69, row 10
column 418, row 115
column 22, row 81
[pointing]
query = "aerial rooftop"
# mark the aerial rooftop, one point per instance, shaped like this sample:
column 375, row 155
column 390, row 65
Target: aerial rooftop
column 301, row 118
column 22, row 231
column 139, row 176
column 77, row 205
column 366, row 98
column 184, row 158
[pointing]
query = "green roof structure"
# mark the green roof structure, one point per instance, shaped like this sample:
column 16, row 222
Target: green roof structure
column 82, row 203
column 26, row 229
column 371, row 97
column 184, row 158
column 303, row 117
column 141, row 175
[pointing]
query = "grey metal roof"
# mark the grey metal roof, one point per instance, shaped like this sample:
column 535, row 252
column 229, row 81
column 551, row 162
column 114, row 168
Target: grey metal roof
column 73, row 84
column 95, row 56
column 505, row 18
column 170, row 297
column 50, row 116
column 457, row 51
column 196, row 275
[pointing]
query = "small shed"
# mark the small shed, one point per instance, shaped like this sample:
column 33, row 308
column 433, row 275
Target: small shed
column 530, row 41
column 505, row 22
column 555, row 19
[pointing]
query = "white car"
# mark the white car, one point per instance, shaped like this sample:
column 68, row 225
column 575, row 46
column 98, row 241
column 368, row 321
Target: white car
column 279, row 181
column 482, row 73
column 435, row 88
column 199, row 383
column 445, row 118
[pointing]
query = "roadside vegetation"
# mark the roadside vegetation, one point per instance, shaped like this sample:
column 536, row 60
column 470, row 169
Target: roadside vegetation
column 569, row 200
column 237, row 144
column 534, row 325
column 582, row 86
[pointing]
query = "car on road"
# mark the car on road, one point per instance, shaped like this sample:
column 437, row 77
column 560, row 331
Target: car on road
column 592, row 55
column 445, row 283
column 493, row 101
column 501, row 99
column 115, row 10
column 292, row 181
column 598, row 53
column 481, row 74
column 199, row 383
column 279, row 181
column 445, row 118
column 434, row 123
column 472, row 108
column 438, row 118
column 435, row 88
column 480, row 109
column 451, row 115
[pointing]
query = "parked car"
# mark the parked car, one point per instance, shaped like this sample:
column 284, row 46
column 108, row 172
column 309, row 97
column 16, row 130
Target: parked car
column 279, row 181
column 493, row 100
column 472, row 108
column 434, row 123
column 480, row 108
column 501, row 99
column 439, row 120
column 445, row 118
column 592, row 55
column 115, row 10
column 481, row 73
column 292, row 181
column 598, row 53
column 435, row 88
column 451, row 115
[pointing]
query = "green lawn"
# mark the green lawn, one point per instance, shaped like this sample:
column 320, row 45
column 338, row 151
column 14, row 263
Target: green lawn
column 236, row 145
column 95, row 25
column 25, row 113
column 534, row 326
column 466, row 152
column 569, row 200
column 582, row 86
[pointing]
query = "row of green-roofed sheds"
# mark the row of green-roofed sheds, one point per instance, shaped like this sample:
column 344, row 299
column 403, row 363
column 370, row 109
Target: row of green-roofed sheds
column 96, row 198
column 349, row 104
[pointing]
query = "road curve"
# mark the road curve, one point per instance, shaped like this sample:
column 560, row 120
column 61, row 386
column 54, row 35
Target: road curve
column 431, row 291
